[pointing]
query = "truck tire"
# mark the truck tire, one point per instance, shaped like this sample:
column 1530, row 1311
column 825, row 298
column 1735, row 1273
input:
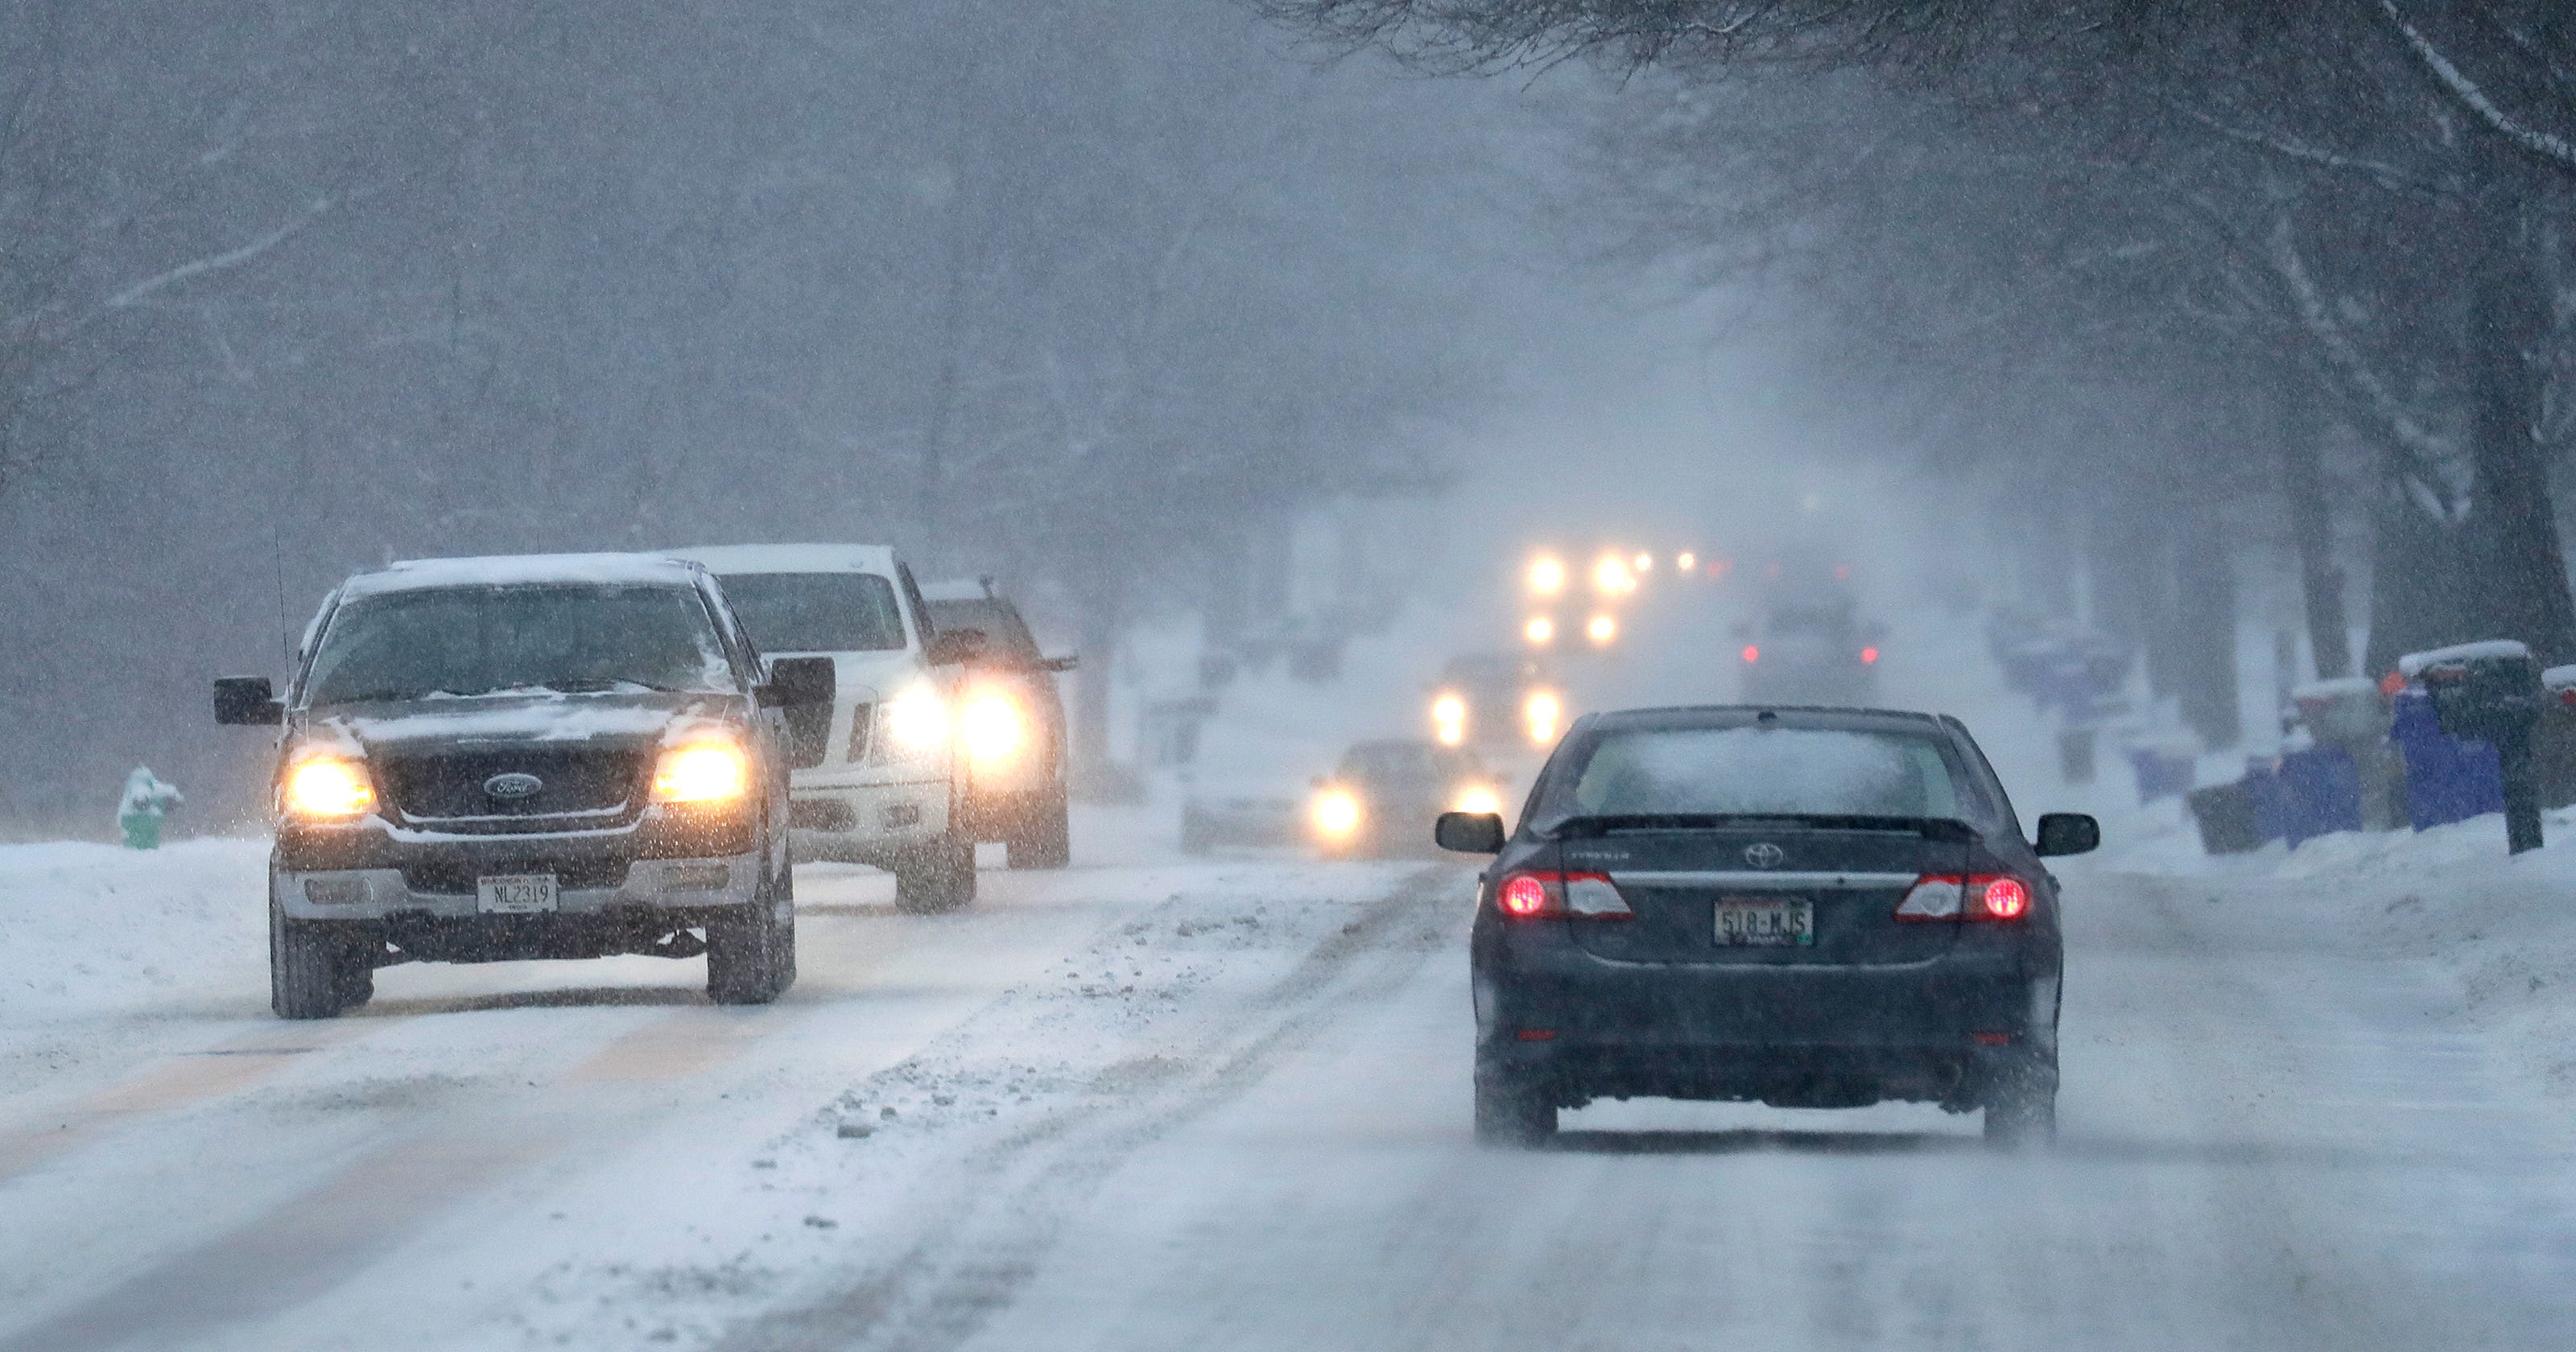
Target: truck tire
column 939, row 878
column 1043, row 838
column 751, row 953
column 308, row 968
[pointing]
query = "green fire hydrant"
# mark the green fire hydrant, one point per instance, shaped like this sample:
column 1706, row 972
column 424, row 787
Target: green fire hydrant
column 147, row 800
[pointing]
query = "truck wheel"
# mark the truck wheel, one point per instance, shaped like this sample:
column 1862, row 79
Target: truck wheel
column 307, row 966
column 1509, row 1110
column 1043, row 838
column 940, row 878
column 2021, row 1106
column 358, row 975
column 750, row 954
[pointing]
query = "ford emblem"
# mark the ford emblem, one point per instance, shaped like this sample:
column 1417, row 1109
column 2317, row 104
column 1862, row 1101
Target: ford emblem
column 513, row 785
column 1764, row 854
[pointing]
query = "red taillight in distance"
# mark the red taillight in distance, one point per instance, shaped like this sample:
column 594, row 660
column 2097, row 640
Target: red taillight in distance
column 1752, row 653
column 1869, row 657
column 1549, row 895
column 1977, row 896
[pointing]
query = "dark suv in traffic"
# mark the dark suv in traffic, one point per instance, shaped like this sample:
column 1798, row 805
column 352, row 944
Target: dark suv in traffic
column 1809, row 908
column 546, row 756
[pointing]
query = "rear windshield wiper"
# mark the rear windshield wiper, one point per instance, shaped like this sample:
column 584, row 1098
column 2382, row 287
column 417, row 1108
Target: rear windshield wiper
column 1947, row 829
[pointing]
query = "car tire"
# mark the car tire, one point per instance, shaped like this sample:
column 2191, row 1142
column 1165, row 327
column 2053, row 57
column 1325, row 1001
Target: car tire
column 1511, row 1112
column 308, row 968
column 358, row 976
column 940, row 878
column 2021, row 1107
column 751, row 955
column 1043, row 838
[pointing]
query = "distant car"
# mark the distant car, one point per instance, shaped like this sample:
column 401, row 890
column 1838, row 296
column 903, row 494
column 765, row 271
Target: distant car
column 1808, row 908
column 1010, row 725
column 1496, row 700
column 549, row 756
column 876, row 780
column 1811, row 648
column 1385, row 794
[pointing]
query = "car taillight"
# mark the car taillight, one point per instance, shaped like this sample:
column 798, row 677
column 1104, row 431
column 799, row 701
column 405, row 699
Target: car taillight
column 1553, row 895
column 1868, row 656
column 1752, row 653
column 1978, row 896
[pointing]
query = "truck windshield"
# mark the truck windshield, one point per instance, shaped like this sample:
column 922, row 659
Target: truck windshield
column 816, row 612
column 572, row 639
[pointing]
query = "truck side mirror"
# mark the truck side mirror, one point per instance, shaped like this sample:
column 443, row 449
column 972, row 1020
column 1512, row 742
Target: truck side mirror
column 949, row 647
column 799, row 682
column 247, row 702
column 2068, row 833
column 1469, row 832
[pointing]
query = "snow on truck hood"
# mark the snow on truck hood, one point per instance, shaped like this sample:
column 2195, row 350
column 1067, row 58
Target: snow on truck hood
column 626, row 718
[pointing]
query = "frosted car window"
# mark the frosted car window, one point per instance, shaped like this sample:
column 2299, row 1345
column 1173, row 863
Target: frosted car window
column 816, row 612
column 482, row 640
column 1741, row 771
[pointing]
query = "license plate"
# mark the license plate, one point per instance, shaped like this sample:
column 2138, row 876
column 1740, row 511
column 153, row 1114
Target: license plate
column 514, row 893
column 1784, row 922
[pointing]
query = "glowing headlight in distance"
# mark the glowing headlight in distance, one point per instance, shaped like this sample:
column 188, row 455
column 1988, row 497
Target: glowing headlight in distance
column 1540, row 631
column 1336, row 813
column 1611, row 577
column 1645, row 563
column 917, row 719
column 1449, row 718
column 1686, row 561
column 1543, row 712
column 702, row 772
column 1477, row 798
column 1602, row 630
column 329, row 786
column 991, row 727
column 1547, row 575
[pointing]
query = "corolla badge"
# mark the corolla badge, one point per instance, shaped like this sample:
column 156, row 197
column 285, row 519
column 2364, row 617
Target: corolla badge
column 1764, row 854
column 513, row 785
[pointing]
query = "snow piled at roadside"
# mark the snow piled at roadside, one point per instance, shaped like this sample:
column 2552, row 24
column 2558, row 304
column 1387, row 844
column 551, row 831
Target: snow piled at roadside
column 2500, row 931
column 91, row 929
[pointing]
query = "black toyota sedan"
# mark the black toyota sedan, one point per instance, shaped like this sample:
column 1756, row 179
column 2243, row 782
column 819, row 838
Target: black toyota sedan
column 1801, row 907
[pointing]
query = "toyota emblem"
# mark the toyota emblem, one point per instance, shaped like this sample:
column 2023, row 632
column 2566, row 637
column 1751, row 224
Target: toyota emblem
column 513, row 785
column 1764, row 854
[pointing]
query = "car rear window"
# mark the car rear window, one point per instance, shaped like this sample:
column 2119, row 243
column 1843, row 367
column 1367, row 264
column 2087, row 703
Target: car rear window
column 465, row 641
column 1759, row 770
column 816, row 612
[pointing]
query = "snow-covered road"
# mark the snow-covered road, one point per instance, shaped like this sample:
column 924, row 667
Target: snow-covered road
column 1221, row 1104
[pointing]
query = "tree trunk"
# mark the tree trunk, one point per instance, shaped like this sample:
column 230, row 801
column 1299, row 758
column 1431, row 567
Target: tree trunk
column 2203, row 643
column 2303, row 484
column 2522, row 570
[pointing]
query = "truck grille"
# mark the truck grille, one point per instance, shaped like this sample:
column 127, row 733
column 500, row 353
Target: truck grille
column 460, row 785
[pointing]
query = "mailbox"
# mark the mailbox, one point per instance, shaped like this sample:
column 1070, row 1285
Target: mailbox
column 2491, row 692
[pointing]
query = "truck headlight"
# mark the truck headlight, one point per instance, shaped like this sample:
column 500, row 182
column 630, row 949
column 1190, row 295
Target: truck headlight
column 329, row 788
column 1543, row 712
column 992, row 729
column 917, row 719
column 1478, row 798
column 702, row 772
column 1336, row 813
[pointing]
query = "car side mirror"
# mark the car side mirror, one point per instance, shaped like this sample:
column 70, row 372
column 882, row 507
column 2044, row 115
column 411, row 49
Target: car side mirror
column 247, row 702
column 1469, row 832
column 2068, row 833
column 799, row 682
column 1064, row 662
column 950, row 647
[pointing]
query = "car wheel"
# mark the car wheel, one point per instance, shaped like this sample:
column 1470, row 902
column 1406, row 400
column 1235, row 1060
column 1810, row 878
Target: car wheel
column 1510, row 1111
column 940, row 878
column 2021, row 1107
column 749, row 953
column 358, row 975
column 307, row 968
column 1043, row 838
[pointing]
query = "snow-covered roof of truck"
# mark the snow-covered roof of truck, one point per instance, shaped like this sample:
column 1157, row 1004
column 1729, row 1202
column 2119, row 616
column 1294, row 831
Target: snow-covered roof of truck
column 506, row 570
column 722, row 559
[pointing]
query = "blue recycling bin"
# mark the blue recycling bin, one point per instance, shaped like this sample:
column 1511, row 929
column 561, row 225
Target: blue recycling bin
column 2161, row 774
column 2447, row 779
column 2320, row 793
column 2262, row 783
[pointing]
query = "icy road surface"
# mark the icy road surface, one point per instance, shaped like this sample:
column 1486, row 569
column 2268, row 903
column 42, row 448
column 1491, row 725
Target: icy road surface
column 1217, row 1105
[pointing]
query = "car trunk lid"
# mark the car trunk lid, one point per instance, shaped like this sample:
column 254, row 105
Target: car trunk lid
column 1768, row 895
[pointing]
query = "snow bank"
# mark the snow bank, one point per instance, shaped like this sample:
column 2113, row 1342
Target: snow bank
column 2498, row 930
